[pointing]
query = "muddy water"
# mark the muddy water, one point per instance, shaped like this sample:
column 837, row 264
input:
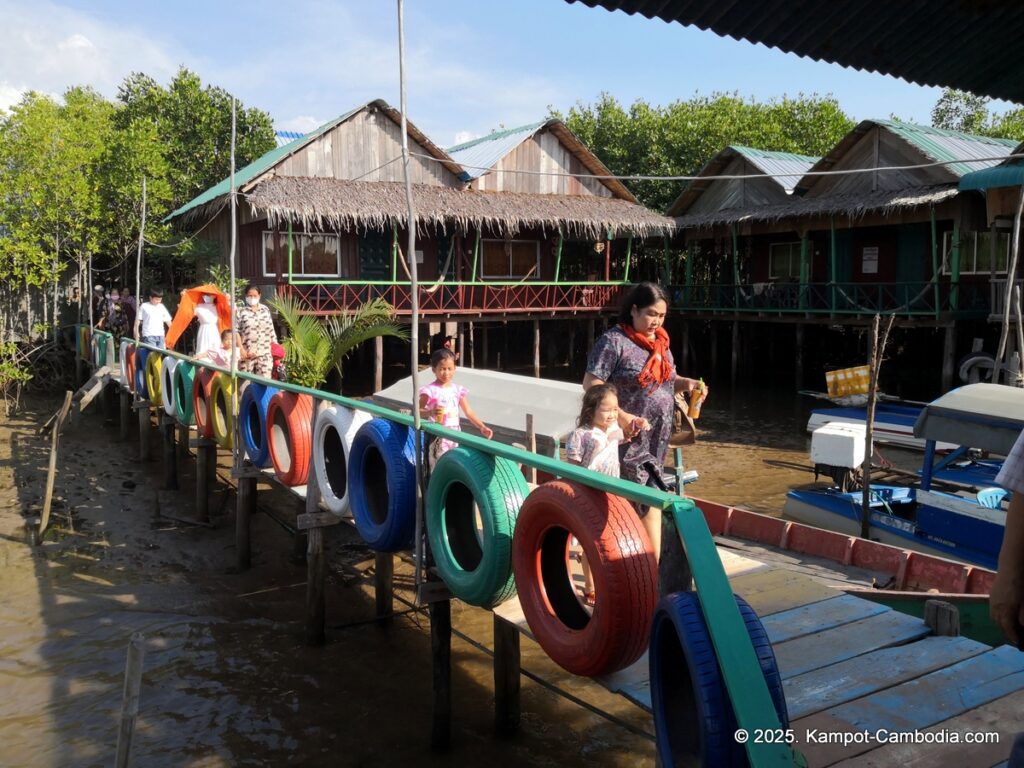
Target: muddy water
column 228, row 680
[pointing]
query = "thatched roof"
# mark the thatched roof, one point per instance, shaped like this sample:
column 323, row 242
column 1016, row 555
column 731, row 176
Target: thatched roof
column 852, row 205
column 361, row 205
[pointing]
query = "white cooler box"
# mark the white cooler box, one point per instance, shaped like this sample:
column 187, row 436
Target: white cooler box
column 838, row 445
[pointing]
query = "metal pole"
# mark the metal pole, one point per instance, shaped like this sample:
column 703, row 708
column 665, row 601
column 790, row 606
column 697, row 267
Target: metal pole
column 138, row 260
column 236, row 451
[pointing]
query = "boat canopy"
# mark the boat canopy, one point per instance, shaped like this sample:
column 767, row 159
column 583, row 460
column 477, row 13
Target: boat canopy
column 985, row 416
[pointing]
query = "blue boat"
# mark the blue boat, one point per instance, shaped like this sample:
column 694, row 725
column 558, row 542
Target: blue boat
column 894, row 422
column 962, row 520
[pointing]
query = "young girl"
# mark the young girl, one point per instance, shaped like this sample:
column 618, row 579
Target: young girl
column 442, row 400
column 222, row 356
column 594, row 444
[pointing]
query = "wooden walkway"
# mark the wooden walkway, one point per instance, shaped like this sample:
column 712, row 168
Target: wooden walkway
column 855, row 671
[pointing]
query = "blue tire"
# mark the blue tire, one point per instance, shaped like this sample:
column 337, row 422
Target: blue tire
column 253, row 415
column 141, row 387
column 693, row 718
column 382, row 483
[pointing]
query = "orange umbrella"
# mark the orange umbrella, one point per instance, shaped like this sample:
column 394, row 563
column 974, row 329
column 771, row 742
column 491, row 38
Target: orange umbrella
column 190, row 297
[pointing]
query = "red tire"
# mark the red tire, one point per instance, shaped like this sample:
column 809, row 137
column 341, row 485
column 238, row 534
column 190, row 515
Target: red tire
column 624, row 570
column 289, row 435
column 202, row 386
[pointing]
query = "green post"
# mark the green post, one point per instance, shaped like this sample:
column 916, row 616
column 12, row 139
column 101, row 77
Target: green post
column 394, row 253
column 735, row 269
column 629, row 255
column 833, row 266
column 935, row 261
column 954, row 268
column 804, row 242
column 558, row 254
column 291, row 247
column 476, row 256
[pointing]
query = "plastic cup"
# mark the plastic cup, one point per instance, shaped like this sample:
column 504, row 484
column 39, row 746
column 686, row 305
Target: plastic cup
column 696, row 401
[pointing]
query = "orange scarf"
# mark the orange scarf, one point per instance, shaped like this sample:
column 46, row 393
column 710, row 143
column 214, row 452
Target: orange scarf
column 657, row 370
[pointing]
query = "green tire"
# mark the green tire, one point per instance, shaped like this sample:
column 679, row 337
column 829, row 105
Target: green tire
column 184, row 373
column 476, row 564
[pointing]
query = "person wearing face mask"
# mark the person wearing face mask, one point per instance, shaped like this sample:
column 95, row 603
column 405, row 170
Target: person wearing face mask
column 208, row 305
column 256, row 327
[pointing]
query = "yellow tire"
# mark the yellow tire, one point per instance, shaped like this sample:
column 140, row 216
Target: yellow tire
column 221, row 393
column 154, row 377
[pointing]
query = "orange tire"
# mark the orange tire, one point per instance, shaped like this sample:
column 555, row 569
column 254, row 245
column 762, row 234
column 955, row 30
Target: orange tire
column 289, row 435
column 201, row 386
column 130, row 367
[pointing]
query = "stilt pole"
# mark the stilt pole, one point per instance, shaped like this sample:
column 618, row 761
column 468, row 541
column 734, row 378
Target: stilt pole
column 378, row 364
column 441, row 656
column 506, row 677
column 384, row 586
column 536, row 348
column 170, row 453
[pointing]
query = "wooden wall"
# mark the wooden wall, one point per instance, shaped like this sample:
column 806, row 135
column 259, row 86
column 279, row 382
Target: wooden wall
column 543, row 152
column 739, row 193
column 356, row 149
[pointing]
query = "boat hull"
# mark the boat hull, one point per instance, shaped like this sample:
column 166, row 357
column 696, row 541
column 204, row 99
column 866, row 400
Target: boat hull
column 893, row 424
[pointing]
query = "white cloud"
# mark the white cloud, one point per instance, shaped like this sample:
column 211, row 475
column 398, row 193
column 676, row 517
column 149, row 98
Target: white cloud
column 300, row 123
column 9, row 95
column 461, row 137
column 47, row 47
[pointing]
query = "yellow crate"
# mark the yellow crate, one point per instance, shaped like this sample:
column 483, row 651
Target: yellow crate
column 848, row 381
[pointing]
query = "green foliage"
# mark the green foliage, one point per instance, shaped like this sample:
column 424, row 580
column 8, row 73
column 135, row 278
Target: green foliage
column 680, row 138
column 312, row 348
column 965, row 112
column 220, row 275
column 14, row 374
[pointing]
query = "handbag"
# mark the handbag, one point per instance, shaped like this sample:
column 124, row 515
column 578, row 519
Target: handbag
column 684, row 431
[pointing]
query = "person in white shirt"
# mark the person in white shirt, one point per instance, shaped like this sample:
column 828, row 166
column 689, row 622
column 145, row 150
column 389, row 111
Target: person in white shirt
column 153, row 319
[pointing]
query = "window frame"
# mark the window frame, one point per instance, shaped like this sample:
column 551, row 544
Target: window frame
column 507, row 275
column 771, row 260
column 947, row 253
column 301, row 238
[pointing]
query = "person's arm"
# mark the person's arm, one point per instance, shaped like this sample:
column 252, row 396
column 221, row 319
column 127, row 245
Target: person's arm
column 273, row 330
column 683, row 384
column 1006, row 600
column 425, row 412
column 474, row 420
column 138, row 323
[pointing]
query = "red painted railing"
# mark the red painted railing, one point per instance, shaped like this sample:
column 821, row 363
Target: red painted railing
column 460, row 299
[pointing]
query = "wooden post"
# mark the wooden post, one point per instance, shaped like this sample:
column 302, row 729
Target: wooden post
column 144, row 448
column 799, row 355
column 572, row 344
column 384, row 575
column 948, row 356
column 204, row 447
column 378, row 363
column 486, row 355
column 183, row 434
column 316, row 559
column 942, row 618
column 170, row 454
column 536, row 348
column 531, row 446
column 713, row 329
column 245, row 508
column 125, row 413
column 130, row 699
column 506, row 677
column 735, row 352
column 686, row 346
column 590, row 335
column 441, row 658
column 472, row 347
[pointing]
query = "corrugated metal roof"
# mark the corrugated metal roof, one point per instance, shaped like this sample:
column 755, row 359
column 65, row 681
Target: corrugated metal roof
column 785, row 168
column 1009, row 173
column 966, row 44
column 484, row 153
column 286, row 137
column 940, row 144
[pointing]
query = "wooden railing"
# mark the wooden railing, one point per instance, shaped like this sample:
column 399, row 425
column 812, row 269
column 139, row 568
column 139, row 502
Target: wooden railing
column 461, row 298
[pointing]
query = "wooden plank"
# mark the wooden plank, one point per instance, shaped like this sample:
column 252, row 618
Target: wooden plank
column 776, row 590
column 1003, row 718
column 633, row 682
column 736, row 564
column 914, row 705
column 817, row 617
column 860, row 676
column 309, row 520
column 506, row 678
column 51, row 471
column 832, row 646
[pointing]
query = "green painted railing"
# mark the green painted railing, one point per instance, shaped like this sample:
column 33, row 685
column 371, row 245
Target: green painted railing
column 740, row 667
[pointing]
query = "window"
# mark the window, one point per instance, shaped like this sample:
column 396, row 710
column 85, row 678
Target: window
column 510, row 259
column 976, row 252
column 784, row 261
column 313, row 255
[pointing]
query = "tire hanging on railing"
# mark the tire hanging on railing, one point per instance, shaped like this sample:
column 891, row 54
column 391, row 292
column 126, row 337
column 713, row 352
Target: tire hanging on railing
column 336, row 428
column 222, row 422
column 99, row 350
column 252, row 412
column 141, row 359
column 184, row 373
column 167, row 391
column 693, row 717
column 622, row 564
column 128, row 366
column 289, row 436
column 122, row 360
column 154, row 368
column 382, row 485
column 202, row 383
column 474, row 556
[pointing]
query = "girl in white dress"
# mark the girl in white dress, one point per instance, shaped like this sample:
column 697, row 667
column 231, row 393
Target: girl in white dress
column 208, row 337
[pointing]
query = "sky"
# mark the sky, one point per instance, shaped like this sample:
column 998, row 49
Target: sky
column 472, row 66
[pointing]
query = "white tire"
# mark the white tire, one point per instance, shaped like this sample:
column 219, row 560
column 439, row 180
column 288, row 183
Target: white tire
column 123, row 357
column 335, row 430
column 167, row 385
